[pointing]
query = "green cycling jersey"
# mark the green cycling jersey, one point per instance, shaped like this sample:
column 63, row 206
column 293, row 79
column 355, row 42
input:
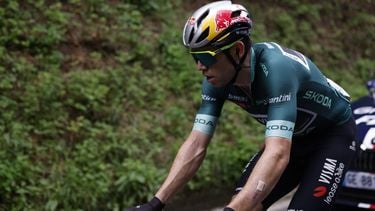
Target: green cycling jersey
column 288, row 94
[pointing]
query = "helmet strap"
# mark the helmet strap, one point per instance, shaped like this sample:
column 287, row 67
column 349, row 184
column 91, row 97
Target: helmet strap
column 237, row 66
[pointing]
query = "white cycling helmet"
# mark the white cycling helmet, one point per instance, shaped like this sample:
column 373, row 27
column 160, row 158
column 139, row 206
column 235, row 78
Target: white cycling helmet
column 216, row 24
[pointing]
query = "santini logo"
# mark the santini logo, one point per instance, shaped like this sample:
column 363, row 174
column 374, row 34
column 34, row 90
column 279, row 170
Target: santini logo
column 281, row 98
column 208, row 98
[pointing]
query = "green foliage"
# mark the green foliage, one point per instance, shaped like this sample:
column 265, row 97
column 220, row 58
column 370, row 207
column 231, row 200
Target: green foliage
column 97, row 96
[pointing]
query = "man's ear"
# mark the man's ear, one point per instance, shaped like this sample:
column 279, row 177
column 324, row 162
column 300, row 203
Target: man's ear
column 240, row 49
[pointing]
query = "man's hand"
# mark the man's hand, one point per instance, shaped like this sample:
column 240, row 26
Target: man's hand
column 154, row 205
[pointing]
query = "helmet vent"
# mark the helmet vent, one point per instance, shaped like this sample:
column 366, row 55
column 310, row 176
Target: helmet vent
column 204, row 35
column 203, row 16
column 236, row 13
column 191, row 36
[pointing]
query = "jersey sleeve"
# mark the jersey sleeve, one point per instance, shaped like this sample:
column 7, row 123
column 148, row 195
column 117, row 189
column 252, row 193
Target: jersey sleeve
column 213, row 99
column 282, row 86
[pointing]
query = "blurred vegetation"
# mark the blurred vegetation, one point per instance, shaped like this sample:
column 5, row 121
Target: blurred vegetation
column 96, row 96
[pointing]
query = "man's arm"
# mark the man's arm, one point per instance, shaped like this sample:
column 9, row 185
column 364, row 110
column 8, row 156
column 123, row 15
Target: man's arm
column 188, row 160
column 265, row 175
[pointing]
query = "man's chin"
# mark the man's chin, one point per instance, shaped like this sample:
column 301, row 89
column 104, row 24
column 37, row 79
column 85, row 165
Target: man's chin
column 216, row 84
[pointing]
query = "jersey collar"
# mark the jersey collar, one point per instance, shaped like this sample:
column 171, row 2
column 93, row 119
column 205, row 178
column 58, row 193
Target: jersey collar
column 252, row 65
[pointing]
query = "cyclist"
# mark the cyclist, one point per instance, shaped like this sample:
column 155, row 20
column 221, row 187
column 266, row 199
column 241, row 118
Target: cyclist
column 309, row 129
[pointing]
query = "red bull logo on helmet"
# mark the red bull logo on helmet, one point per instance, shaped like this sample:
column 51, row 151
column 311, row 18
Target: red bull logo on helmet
column 223, row 19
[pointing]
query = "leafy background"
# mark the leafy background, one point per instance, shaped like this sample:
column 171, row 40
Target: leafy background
column 96, row 96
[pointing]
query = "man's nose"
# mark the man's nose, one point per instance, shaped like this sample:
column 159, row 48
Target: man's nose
column 200, row 66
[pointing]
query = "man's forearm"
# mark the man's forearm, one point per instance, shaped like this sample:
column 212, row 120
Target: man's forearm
column 262, row 180
column 187, row 162
column 259, row 185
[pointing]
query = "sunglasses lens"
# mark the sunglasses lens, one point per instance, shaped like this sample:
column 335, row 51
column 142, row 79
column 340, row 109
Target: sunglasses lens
column 205, row 58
